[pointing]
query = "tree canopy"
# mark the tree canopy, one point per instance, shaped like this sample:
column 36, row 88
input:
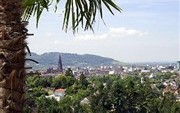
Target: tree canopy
column 107, row 94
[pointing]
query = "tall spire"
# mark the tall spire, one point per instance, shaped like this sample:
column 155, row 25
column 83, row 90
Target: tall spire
column 60, row 66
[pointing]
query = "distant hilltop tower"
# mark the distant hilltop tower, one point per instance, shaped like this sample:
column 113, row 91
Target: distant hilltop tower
column 60, row 66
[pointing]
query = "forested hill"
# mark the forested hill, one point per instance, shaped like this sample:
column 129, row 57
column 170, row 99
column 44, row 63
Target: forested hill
column 69, row 59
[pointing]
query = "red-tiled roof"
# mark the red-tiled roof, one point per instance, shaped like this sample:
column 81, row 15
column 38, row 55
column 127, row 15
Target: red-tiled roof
column 60, row 90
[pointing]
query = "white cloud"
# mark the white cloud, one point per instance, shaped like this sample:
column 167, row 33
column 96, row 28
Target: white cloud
column 122, row 31
column 113, row 33
column 91, row 37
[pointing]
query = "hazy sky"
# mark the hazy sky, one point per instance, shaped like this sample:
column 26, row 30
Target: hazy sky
column 146, row 30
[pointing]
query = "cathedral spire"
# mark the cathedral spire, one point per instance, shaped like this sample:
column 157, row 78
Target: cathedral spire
column 60, row 66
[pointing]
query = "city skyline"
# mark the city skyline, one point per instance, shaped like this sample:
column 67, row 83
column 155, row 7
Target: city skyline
column 145, row 31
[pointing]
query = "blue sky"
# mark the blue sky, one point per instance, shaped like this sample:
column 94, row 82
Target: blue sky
column 145, row 31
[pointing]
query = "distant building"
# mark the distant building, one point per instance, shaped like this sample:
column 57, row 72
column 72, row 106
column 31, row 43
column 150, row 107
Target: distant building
column 85, row 101
column 60, row 66
column 145, row 71
column 111, row 72
column 59, row 70
column 152, row 75
column 50, row 70
column 170, row 67
column 142, row 80
column 58, row 94
column 178, row 65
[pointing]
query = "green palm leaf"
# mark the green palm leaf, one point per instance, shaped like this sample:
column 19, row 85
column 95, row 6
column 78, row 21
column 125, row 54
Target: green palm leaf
column 76, row 13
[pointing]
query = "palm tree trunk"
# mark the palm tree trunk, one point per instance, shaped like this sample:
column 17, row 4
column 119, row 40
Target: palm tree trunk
column 12, row 56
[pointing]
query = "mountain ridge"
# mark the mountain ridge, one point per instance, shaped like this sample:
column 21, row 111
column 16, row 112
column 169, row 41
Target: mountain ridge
column 50, row 59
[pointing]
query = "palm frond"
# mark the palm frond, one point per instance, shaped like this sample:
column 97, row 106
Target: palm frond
column 84, row 12
column 35, row 8
column 76, row 13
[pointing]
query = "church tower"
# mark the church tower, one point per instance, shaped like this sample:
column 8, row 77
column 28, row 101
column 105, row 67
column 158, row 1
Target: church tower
column 60, row 66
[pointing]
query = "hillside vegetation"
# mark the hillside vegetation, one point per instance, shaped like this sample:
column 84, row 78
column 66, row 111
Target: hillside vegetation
column 68, row 59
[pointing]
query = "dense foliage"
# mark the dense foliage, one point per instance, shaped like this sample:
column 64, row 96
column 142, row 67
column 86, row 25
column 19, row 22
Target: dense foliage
column 100, row 94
